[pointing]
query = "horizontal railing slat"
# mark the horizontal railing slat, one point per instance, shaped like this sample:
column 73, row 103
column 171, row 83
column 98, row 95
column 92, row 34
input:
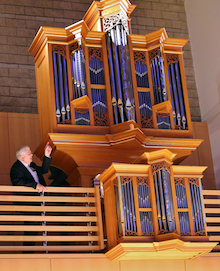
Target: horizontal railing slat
column 48, row 218
column 213, row 219
column 213, row 228
column 46, row 199
column 49, row 248
column 57, row 219
column 15, row 238
column 49, row 228
column 47, row 208
column 211, row 201
column 214, row 238
column 49, row 189
column 212, row 210
column 211, row 192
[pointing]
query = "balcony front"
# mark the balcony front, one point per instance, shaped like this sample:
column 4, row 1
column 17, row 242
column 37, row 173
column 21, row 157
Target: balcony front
column 150, row 211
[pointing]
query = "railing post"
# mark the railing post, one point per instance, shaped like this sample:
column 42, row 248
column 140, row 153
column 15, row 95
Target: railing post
column 99, row 218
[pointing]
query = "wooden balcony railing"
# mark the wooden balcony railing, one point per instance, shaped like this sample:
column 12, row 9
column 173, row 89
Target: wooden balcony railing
column 211, row 200
column 63, row 219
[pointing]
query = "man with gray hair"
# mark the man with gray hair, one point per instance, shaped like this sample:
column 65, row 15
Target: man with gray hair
column 25, row 172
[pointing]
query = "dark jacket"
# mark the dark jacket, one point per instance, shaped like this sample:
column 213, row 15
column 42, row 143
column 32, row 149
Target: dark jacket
column 21, row 176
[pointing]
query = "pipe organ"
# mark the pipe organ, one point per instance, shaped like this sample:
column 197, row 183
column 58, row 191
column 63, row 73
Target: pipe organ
column 154, row 201
column 107, row 96
column 116, row 76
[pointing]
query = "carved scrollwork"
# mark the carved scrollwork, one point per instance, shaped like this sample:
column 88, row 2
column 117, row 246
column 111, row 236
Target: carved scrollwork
column 65, row 122
column 142, row 181
column 95, row 52
column 81, row 110
column 147, row 234
column 166, row 231
column 158, row 166
column 59, row 49
column 146, row 123
column 179, row 181
column 154, row 53
column 194, row 181
column 112, row 21
column 200, row 233
column 162, row 115
column 140, row 56
column 101, row 121
column 172, row 59
column 125, row 180
column 115, row 182
column 73, row 47
column 130, row 233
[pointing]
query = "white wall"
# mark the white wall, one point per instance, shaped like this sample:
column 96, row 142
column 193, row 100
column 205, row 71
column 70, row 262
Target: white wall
column 203, row 17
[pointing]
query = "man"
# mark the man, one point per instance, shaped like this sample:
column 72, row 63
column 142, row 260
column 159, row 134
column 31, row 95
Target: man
column 24, row 172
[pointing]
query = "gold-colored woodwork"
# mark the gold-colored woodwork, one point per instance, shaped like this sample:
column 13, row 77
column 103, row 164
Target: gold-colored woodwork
column 111, row 179
column 16, row 130
column 72, row 212
column 88, row 34
column 125, row 145
column 211, row 208
column 77, row 149
column 99, row 10
column 164, row 250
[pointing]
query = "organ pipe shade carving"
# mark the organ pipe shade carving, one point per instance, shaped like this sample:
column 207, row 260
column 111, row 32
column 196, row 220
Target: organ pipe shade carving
column 61, row 84
column 120, row 75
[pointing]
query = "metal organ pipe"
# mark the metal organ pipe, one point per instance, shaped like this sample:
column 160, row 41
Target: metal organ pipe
column 58, row 115
column 66, row 90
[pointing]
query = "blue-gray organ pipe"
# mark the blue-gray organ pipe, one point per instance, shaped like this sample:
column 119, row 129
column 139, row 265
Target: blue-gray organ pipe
column 193, row 207
column 154, row 77
column 181, row 100
column 129, row 206
column 176, row 98
column 163, row 83
column 158, row 81
column 118, row 76
column 171, row 96
column 125, row 206
column 114, row 96
column 63, row 110
column 133, row 207
column 159, row 213
column 199, row 208
column 73, row 77
column 58, row 114
column 162, row 200
column 66, row 90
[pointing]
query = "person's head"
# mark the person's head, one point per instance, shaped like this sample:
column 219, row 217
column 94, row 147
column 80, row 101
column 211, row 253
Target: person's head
column 24, row 154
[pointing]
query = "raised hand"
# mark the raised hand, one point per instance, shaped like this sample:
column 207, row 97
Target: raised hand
column 47, row 150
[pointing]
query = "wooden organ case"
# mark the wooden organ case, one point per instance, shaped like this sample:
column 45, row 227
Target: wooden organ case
column 106, row 95
column 115, row 102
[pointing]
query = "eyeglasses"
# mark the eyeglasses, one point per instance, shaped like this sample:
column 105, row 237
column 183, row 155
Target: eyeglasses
column 29, row 153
